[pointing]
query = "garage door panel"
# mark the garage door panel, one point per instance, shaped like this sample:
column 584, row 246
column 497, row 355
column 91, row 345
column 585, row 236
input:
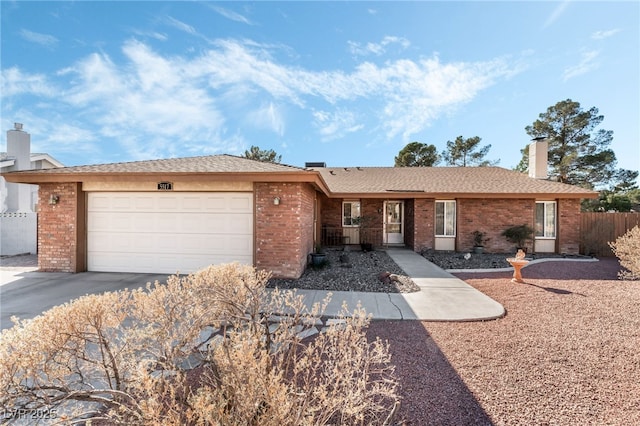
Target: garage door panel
column 216, row 203
column 235, row 245
column 239, row 222
column 145, row 204
column 123, row 203
column 167, row 232
column 216, row 223
column 169, row 204
column 169, row 243
column 153, row 263
column 240, row 204
column 171, row 222
column 111, row 222
column 192, row 204
column 100, row 221
column 99, row 203
column 240, row 245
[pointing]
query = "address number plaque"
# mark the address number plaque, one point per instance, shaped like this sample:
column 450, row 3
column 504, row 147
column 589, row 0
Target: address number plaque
column 165, row 186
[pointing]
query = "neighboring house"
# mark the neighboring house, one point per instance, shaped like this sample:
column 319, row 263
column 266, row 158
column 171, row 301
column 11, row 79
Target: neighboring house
column 18, row 218
column 182, row 214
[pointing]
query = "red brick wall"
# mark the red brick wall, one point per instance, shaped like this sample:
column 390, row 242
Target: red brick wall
column 61, row 246
column 331, row 212
column 423, row 226
column 373, row 211
column 283, row 233
column 568, row 226
column 492, row 216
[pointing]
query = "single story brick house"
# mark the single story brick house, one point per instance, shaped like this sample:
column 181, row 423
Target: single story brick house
column 181, row 214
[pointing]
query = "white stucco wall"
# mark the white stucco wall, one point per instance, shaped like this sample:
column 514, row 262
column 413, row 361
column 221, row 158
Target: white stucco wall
column 18, row 233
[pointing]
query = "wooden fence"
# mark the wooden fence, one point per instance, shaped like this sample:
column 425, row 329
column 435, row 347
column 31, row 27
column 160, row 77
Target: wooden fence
column 598, row 229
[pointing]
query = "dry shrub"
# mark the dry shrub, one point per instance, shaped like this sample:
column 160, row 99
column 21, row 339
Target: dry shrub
column 627, row 249
column 211, row 348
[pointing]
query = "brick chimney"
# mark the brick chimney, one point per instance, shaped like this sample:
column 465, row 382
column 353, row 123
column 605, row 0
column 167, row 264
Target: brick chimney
column 538, row 156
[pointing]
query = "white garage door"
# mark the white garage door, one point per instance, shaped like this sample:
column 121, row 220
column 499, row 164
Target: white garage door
column 168, row 232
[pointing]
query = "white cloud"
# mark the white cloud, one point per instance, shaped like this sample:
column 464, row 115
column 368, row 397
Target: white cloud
column 269, row 117
column 235, row 64
column 556, row 13
column 99, row 77
column 377, row 49
column 180, row 25
column 68, row 137
column 38, row 38
column 336, row 124
column 151, row 34
column 414, row 94
column 153, row 104
column 57, row 135
column 600, row 35
column 587, row 63
column 148, row 104
column 14, row 82
column 230, row 14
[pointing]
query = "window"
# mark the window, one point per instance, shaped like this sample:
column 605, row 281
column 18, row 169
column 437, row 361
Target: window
column 445, row 218
column 545, row 219
column 350, row 213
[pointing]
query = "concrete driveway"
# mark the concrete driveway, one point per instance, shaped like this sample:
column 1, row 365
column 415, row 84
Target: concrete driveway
column 26, row 293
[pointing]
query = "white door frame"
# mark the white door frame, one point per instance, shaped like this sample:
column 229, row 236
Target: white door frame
column 393, row 238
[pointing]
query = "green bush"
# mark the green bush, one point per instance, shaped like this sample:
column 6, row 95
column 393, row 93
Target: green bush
column 211, row 348
column 518, row 234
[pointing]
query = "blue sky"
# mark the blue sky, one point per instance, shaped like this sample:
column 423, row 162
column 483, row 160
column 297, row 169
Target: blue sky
column 348, row 83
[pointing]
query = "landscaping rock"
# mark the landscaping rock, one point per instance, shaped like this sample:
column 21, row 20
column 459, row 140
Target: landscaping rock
column 361, row 274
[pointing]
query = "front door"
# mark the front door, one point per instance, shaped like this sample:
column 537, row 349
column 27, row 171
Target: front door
column 393, row 225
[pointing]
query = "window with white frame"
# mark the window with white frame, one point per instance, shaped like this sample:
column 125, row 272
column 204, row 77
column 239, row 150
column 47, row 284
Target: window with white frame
column 445, row 218
column 350, row 213
column 545, row 219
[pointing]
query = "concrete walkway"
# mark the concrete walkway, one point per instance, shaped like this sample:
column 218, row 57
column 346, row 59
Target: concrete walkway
column 26, row 293
column 442, row 296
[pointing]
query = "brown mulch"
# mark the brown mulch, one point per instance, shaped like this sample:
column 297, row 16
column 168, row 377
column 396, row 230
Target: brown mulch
column 566, row 353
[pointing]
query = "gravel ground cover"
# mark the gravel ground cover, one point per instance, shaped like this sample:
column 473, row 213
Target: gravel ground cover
column 566, row 353
column 454, row 260
column 352, row 271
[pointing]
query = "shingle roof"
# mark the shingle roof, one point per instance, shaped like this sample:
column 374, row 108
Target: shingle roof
column 340, row 181
column 223, row 163
column 440, row 180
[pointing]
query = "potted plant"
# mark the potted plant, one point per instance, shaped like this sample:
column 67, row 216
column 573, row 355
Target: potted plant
column 478, row 241
column 519, row 235
column 319, row 257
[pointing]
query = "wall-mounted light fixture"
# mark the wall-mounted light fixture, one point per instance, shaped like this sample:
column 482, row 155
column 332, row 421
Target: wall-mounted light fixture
column 276, row 201
column 53, row 199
